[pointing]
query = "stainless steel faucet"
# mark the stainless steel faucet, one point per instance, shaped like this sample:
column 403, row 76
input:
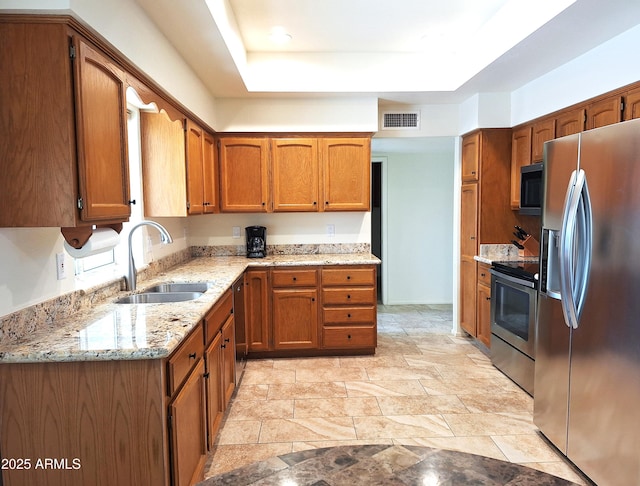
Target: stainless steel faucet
column 165, row 237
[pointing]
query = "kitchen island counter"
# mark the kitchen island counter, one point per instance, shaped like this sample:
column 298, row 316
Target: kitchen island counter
column 110, row 331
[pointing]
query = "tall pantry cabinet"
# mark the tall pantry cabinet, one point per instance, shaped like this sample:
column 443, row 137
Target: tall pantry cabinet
column 485, row 214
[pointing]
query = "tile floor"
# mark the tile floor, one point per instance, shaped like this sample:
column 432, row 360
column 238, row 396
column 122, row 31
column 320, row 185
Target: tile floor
column 424, row 387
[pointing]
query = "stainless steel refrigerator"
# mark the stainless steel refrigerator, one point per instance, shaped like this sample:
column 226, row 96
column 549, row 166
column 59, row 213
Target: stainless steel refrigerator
column 587, row 371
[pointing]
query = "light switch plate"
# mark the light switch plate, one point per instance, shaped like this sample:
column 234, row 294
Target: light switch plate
column 236, row 231
column 331, row 230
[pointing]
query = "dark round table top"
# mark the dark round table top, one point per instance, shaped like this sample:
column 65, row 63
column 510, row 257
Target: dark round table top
column 383, row 465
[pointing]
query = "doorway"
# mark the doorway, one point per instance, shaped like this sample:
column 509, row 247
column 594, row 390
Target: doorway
column 376, row 218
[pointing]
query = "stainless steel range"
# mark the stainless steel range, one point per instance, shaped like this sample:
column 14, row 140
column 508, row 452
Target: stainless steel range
column 514, row 297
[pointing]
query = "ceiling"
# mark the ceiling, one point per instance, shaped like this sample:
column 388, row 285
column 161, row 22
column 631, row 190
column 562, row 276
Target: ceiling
column 400, row 51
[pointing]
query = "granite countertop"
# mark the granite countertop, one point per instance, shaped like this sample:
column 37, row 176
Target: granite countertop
column 490, row 253
column 111, row 331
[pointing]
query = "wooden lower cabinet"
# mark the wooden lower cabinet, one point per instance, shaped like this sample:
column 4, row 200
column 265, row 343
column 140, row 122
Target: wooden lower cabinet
column 311, row 310
column 187, row 430
column 349, row 308
column 468, row 283
column 214, row 388
column 483, row 303
column 228, row 369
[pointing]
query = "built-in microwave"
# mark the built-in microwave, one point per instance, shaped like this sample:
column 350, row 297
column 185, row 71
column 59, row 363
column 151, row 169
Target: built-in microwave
column 531, row 189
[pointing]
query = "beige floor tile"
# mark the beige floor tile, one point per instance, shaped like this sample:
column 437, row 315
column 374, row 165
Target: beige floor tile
column 373, row 361
column 310, row 363
column 303, row 446
column 260, row 409
column 406, row 373
column 239, row 432
column 433, row 359
column 229, row 457
column 251, row 392
column 308, row 429
column 490, row 424
column 259, row 364
column 498, row 402
column 480, row 445
column 336, row 407
column 398, row 426
column 525, row 448
column 307, row 390
column 305, row 375
column 384, row 388
column 560, row 469
column 468, row 386
column 268, row 376
column 421, row 405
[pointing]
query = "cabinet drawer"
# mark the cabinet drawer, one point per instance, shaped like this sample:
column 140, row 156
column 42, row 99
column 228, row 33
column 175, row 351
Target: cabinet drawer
column 349, row 337
column 341, row 295
column 349, row 276
column 349, row 315
column 217, row 316
column 294, row 278
column 183, row 359
column 484, row 276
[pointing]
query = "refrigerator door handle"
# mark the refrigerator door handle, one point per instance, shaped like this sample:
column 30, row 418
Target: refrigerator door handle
column 576, row 246
column 565, row 253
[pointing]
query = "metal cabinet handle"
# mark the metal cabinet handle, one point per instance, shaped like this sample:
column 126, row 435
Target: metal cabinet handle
column 192, row 355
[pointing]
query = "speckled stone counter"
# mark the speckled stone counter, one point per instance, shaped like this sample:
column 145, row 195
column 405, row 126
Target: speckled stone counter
column 110, row 331
column 384, row 465
column 490, row 253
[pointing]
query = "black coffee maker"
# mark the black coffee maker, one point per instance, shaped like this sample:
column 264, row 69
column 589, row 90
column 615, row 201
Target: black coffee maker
column 256, row 241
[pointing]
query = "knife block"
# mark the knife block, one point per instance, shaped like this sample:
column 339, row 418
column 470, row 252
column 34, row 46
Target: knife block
column 531, row 247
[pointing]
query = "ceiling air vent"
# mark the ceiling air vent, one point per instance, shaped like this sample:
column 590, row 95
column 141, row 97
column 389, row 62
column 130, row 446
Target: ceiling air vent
column 401, row 121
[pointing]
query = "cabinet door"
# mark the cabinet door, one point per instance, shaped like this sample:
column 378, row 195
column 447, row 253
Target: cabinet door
column 469, row 220
column 471, row 157
column 295, row 318
column 543, row 131
column 101, row 125
column 215, row 402
column 520, row 156
column 210, row 174
column 484, row 315
column 188, row 430
column 163, row 165
column 346, row 171
column 295, row 170
column 570, row 123
column 604, row 112
column 244, row 177
column 228, row 359
column 468, row 284
column 256, row 301
column 632, row 105
column 195, row 175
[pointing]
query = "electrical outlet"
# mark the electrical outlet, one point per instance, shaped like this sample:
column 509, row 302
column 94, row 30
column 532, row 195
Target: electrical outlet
column 61, row 271
column 236, row 231
column 331, row 230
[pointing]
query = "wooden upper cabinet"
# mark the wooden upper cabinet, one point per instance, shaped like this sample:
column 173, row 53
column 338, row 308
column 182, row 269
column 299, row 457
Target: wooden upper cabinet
column 244, row 176
column 295, row 173
column 101, row 124
column 210, row 174
column 163, row 165
column 195, row 168
column 64, row 130
column 632, row 105
column 543, row 131
column 471, row 157
column 520, row 156
column 604, row 112
column 568, row 123
column 346, row 172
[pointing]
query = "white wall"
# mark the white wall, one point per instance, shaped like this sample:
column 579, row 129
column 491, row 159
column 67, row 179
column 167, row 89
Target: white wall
column 605, row 68
column 418, row 220
column 282, row 228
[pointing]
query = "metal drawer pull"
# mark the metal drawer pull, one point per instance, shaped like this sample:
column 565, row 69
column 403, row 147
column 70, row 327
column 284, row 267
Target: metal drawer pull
column 192, row 355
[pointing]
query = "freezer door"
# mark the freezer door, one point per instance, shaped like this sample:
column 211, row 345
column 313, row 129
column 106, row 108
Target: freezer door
column 560, row 160
column 551, row 382
column 604, row 423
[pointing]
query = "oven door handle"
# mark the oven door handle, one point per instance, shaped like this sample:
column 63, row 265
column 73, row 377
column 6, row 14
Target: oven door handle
column 509, row 278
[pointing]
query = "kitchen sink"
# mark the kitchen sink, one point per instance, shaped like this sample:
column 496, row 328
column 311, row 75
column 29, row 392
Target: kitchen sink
column 180, row 287
column 158, row 297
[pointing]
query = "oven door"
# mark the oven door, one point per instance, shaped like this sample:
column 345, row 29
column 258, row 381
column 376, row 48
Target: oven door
column 513, row 311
